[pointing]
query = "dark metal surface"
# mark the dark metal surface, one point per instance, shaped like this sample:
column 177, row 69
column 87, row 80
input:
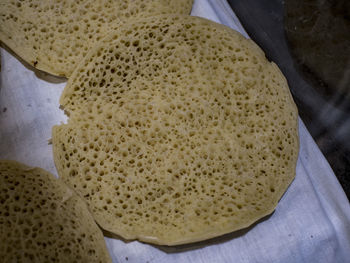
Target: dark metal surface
column 326, row 117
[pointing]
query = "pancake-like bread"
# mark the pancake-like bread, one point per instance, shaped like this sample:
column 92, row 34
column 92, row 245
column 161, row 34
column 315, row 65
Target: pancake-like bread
column 42, row 220
column 54, row 36
column 180, row 130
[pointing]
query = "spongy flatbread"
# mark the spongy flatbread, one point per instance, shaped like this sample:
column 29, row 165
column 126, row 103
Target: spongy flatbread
column 42, row 220
column 180, row 130
column 54, row 36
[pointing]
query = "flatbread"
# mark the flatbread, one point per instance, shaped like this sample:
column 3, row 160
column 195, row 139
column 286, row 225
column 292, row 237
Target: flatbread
column 180, row 130
column 54, row 36
column 42, row 220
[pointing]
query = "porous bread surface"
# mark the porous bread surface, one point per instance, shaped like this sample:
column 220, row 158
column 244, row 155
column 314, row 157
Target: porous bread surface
column 42, row 220
column 55, row 35
column 180, row 130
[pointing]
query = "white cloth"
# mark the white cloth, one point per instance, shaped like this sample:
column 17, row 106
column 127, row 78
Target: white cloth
column 311, row 222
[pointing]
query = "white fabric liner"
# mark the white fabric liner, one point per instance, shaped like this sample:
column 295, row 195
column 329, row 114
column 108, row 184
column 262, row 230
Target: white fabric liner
column 310, row 224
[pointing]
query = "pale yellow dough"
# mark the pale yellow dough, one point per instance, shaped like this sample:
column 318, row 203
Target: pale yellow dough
column 180, row 130
column 42, row 220
column 55, row 35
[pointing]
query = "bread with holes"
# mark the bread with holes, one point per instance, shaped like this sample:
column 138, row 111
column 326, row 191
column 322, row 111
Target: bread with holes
column 54, row 36
column 42, row 220
column 179, row 130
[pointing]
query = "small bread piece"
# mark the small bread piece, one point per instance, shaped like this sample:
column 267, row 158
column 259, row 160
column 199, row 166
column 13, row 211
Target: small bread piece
column 42, row 220
column 54, row 36
column 180, row 130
